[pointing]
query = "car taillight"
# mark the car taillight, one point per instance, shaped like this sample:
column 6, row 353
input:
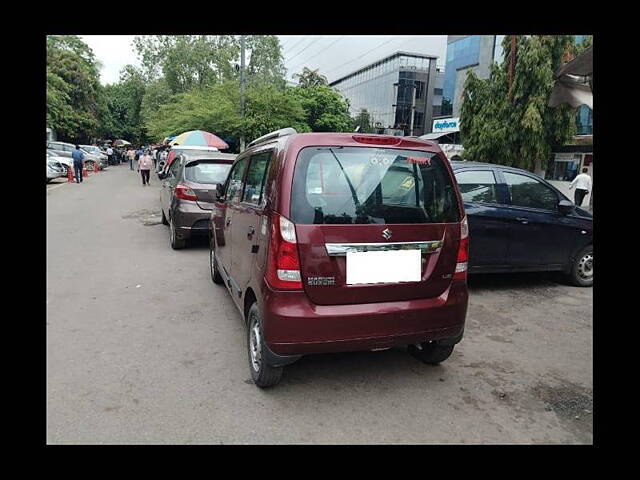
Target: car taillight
column 463, row 251
column 377, row 140
column 283, row 264
column 185, row 193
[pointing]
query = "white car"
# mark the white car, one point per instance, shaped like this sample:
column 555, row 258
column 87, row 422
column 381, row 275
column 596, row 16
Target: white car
column 55, row 168
column 66, row 162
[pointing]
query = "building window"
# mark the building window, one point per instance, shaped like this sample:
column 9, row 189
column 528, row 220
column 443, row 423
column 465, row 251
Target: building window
column 584, row 120
column 461, row 53
column 563, row 167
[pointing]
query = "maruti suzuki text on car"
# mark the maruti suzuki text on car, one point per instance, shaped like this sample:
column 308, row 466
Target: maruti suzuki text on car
column 334, row 242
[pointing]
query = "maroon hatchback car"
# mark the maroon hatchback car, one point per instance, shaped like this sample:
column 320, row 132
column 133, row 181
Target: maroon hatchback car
column 334, row 242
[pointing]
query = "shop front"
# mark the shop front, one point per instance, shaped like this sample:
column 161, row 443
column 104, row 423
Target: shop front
column 567, row 161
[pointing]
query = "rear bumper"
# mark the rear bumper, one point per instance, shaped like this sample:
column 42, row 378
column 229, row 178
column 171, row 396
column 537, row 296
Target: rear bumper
column 295, row 326
column 191, row 220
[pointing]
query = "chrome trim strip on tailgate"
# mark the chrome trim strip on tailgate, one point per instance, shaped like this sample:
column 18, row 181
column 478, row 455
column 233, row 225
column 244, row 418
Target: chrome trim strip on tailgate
column 341, row 249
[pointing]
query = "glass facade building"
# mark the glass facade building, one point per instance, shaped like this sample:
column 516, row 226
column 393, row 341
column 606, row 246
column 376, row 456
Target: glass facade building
column 479, row 52
column 396, row 91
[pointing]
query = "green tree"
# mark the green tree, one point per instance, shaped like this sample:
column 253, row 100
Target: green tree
column 310, row 78
column 518, row 132
column 266, row 62
column 72, row 88
column 325, row 109
column 187, row 61
column 364, row 121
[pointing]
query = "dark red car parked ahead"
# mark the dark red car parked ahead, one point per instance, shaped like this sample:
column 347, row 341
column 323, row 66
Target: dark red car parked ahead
column 332, row 242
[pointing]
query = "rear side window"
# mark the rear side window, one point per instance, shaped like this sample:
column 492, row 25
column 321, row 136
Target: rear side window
column 207, row 172
column 234, row 187
column 256, row 175
column 477, row 186
column 529, row 192
column 363, row 185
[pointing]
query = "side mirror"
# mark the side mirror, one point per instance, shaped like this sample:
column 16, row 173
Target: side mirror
column 219, row 191
column 565, row 207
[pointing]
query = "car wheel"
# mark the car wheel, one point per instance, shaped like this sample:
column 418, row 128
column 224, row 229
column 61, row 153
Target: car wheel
column 581, row 273
column 431, row 352
column 213, row 267
column 89, row 166
column 176, row 243
column 164, row 218
column 263, row 374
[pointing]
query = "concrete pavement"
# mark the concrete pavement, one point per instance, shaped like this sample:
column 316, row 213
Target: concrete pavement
column 143, row 348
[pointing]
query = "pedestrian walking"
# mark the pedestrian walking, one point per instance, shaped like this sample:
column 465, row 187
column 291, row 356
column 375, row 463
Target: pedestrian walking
column 582, row 183
column 110, row 156
column 144, row 167
column 78, row 163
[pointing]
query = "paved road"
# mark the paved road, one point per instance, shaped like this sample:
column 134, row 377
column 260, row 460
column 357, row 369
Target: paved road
column 143, row 348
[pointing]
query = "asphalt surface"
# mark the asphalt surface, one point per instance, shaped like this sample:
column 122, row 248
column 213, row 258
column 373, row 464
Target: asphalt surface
column 143, row 348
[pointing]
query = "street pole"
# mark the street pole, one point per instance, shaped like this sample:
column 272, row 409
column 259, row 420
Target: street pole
column 413, row 109
column 242, row 87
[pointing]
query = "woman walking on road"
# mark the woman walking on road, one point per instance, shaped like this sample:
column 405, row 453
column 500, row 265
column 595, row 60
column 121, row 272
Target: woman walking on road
column 144, row 167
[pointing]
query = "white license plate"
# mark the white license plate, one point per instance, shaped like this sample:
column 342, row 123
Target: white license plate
column 391, row 266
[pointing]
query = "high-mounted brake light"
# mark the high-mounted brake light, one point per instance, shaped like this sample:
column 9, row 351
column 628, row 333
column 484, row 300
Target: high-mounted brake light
column 185, row 193
column 377, row 140
column 463, row 251
column 283, row 264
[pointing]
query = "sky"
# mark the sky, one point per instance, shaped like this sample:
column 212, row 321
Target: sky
column 334, row 55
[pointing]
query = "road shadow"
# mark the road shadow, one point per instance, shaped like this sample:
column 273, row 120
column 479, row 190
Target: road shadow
column 364, row 367
column 508, row 281
column 199, row 242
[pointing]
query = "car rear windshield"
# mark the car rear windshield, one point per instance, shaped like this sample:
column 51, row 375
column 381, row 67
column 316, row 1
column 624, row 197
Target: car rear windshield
column 207, row 172
column 355, row 185
column 195, row 153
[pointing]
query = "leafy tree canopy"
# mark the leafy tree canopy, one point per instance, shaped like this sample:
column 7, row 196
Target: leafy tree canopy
column 72, row 88
column 325, row 109
column 520, row 132
column 310, row 78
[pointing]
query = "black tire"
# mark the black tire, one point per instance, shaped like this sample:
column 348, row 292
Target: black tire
column 164, row 218
column 263, row 374
column 431, row 352
column 213, row 267
column 175, row 242
column 581, row 273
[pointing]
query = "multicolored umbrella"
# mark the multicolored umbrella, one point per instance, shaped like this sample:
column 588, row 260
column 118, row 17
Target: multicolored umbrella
column 199, row 138
column 121, row 143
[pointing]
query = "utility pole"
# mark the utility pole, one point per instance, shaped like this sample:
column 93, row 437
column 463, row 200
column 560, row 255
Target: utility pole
column 413, row 108
column 242, row 86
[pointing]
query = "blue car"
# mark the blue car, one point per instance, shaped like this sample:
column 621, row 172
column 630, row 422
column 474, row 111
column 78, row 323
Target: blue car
column 520, row 223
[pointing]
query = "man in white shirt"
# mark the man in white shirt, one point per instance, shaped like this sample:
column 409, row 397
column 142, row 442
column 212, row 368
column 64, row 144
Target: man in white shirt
column 583, row 185
column 110, row 155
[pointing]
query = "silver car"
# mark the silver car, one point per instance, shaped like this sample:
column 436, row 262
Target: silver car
column 54, row 167
column 65, row 149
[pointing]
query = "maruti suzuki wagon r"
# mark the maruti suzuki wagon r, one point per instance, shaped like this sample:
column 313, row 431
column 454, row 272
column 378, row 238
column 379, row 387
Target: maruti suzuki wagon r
column 334, row 242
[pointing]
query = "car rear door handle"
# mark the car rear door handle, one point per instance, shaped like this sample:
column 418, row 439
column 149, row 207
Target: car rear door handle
column 523, row 220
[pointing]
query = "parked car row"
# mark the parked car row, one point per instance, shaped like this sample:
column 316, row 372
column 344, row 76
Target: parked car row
column 63, row 149
column 331, row 242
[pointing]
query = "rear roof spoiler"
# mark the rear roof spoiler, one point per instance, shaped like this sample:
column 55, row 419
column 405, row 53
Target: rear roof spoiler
column 270, row 136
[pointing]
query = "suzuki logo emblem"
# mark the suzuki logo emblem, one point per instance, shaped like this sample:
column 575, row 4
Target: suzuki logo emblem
column 386, row 233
